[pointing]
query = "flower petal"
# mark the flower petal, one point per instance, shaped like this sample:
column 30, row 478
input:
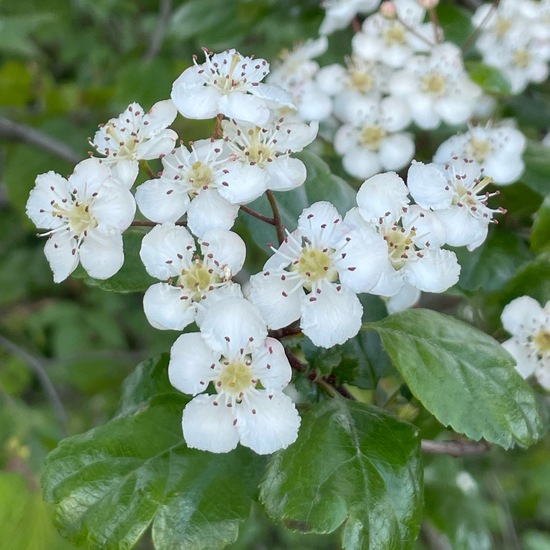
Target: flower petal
column 267, row 422
column 162, row 200
column 192, row 364
column 211, row 211
column 168, row 307
column 331, row 315
column 101, row 253
column 208, row 425
column 271, row 365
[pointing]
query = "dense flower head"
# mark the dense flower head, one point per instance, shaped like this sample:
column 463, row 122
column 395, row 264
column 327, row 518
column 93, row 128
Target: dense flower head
column 247, row 371
column 192, row 281
column 85, row 215
column 529, row 325
column 228, row 83
column 455, row 191
column 315, row 274
column 136, row 135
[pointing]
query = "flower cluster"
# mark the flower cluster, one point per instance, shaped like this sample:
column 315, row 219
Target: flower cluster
column 231, row 356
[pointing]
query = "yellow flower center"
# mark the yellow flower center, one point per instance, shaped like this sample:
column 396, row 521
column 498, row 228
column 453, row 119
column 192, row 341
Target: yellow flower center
column 372, row 136
column 314, row 265
column 236, row 377
column 361, row 80
column 200, row 177
column 227, row 83
column 400, row 245
column 257, row 151
column 198, row 279
column 478, row 149
column 77, row 214
column 542, row 341
column 521, row 58
column 395, row 34
column 434, row 83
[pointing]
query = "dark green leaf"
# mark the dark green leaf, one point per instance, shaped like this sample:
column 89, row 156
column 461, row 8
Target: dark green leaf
column 462, row 376
column 490, row 266
column 491, row 80
column 537, row 167
column 111, row 483
column 132, row 277
column 456, row 23
column 533, row 279
column 540, row 236
column 352, row 464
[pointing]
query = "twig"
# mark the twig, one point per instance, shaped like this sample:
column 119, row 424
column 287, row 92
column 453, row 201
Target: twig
column 37, row 365
column 255, row 214
column 143, row 223
column 454, row 448
column 158, row 37
column 276, row 216
column 27, row 134
column 473, row 37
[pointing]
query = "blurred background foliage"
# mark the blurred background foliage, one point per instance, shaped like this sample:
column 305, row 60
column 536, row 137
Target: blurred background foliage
column 67, row 65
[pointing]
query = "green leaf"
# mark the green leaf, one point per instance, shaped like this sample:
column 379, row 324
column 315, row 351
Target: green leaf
column 537, row 167
column 352, row 464
column 111, row 483
column 456, row 23
column 494, row 263
column 320, row 185
column 132, row 277
column 532, row 279
column 462, row 376
column 540, row 236
column 491, row 80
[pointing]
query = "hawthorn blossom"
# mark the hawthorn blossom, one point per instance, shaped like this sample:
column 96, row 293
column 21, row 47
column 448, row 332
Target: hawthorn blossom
column 296, row 73
column 529, row 325
column 136, row 135
column 195, row 183
column 192, row 281
column 372, row 140
column 393, row 40
column 315, row 275
column 413, row 237
column 498, row 150
column 455, row 192
column 261, row 155
column 228, row 83
column 85, row 216
column 436, row 87
column 340, row 13
column 248, row 371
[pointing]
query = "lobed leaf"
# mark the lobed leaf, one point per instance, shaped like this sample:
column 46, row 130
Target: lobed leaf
column 462, row 376
column 353, row 464
column 113, row 482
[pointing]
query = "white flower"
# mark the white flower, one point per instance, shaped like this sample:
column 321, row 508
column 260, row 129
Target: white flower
column 136, row 135
column 455, row 191
column 228, row 83
column 372, row 141
column 391, row 42
column 413, row 238
column 436, row 87
column 498, row 150
column 194, row 282
column 86, row 216
column 248, row 371
column 315, row 275
column 194, row 182
column 296, row 73
column 529, row 325
column 262, row 154
column 339, row 13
